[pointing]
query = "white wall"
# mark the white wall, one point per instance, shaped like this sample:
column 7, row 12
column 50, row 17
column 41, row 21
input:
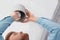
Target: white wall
column 39, row 8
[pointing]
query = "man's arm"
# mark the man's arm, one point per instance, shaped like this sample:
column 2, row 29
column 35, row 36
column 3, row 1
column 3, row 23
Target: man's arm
column 48, row 24
column 51, row 26
column 4, row 23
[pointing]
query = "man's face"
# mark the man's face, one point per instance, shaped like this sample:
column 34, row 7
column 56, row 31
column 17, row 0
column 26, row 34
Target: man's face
column 19, row 36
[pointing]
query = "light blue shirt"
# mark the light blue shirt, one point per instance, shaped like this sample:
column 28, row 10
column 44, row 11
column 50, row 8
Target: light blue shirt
column 52, row 27
column 4, row 23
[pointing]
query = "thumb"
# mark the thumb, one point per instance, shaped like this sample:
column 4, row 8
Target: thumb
column 26, row 20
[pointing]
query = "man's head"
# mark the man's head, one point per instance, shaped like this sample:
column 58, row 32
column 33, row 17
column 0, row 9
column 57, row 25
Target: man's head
column 17, row 36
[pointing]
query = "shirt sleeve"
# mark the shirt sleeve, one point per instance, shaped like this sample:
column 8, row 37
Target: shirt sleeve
column 4, row 23
column 54, row 35
column 48, row 24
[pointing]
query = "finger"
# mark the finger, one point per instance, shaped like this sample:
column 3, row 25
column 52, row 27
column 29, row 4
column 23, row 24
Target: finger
column 26, row 20
column 28, row 13
column 17, row 14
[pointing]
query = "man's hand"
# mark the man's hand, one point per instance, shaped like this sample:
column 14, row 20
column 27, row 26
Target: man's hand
column 30, row 17
column 15, row 15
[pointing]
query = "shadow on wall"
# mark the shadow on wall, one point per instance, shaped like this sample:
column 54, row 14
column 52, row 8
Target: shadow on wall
column 56, row 16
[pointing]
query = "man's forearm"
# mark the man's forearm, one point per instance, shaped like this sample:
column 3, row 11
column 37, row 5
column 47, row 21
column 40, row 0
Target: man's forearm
column 5, row 22
column 48, row 24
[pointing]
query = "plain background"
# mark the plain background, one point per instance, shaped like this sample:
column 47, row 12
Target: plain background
column 40, row 8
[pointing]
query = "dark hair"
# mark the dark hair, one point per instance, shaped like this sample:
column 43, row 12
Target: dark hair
column 26, row 36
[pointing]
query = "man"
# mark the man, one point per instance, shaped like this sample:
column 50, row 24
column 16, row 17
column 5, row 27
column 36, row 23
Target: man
column 52, row 27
